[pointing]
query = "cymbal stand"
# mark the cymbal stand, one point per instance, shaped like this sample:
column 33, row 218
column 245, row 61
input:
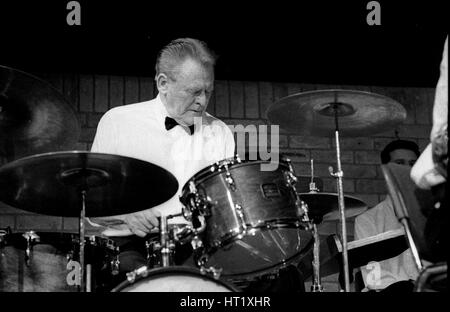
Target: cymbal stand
column 338, row 175
column 79, row 178
column 316, row 285
column 85, row 278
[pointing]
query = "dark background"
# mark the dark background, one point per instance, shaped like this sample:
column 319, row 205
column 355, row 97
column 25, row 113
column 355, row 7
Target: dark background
column 316, row 42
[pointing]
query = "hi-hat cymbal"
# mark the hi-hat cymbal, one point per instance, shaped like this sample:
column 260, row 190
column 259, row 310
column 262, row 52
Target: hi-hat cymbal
column 358, row 113
column 325, row 206
column 51, row 183
column 34, row 117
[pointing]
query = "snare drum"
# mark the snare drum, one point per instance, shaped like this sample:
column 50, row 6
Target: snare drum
column 255, row 223
column 174, row 279
column 48, row 262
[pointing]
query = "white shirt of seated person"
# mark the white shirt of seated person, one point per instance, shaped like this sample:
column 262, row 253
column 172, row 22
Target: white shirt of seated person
column 138, row 131
column 379, row 219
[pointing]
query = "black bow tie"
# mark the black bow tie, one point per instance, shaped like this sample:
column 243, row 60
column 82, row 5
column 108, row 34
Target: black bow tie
column 170, row 123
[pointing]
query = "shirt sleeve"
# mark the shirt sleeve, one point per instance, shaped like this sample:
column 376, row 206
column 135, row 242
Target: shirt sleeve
column 230, row 145
column 105, row 136
column 440, row 107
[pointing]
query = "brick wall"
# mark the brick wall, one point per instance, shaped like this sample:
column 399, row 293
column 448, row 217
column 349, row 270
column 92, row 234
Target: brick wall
column 245, row 102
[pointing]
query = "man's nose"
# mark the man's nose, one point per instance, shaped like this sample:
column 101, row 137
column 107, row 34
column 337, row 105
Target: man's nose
column 202, row 99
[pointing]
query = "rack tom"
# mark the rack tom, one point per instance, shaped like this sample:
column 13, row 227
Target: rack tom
column 255, row 221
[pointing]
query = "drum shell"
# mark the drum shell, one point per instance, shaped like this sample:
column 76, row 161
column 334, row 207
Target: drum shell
column 47, row 266
column 265, row 197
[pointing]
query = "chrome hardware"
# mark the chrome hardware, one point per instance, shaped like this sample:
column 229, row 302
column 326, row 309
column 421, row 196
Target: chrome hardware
column 31, row 238
column 192, row 187
column 3, row 235
column 290, row 178
column 186, row 212
column 202, row 260
column 216, row 272
column 115, row 265
column 312, row 184
column 229, row 179
column 196, row 243
column 240, row 214
column 142, row 271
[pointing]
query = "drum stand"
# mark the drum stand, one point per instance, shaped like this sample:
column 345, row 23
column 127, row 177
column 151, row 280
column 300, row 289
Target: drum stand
column 336, row 109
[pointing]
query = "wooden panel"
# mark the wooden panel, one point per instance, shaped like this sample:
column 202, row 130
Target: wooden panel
column 101, row 93
column 222, row 99
column 86, row 93
column 116, row 92
column 251, row 99
column 131, row 90
column 147, row 90
column 265, row 98
column 236, row 99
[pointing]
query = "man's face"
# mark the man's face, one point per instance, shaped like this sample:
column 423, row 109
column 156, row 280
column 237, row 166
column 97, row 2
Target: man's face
column 187, row 96
column 403, row 157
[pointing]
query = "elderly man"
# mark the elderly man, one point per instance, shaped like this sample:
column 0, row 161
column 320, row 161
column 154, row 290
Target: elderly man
column 397, row 273
column 168, row 131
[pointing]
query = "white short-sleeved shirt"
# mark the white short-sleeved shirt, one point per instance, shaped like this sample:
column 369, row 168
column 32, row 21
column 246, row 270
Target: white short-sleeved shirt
column 379, row 275
column 138, row 131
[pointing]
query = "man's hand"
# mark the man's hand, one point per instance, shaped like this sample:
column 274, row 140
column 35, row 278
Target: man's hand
column 138, row 223
column 141, row 223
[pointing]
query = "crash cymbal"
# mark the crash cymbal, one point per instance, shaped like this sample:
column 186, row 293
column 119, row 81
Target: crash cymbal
column 34, row 117
column 359, row 113
column 50, row 184
column 325, row 206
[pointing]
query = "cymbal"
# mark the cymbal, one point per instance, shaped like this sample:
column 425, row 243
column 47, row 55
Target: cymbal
column 360, row 252
column 359, row 113
column 35, row 118
column 51, row 183
column 325, row 205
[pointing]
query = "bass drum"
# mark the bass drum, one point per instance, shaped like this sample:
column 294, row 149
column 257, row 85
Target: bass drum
column 38, row 267
column 174, row 279
column 48, row 262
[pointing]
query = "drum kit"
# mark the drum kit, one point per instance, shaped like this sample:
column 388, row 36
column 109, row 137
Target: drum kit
column 241, row 223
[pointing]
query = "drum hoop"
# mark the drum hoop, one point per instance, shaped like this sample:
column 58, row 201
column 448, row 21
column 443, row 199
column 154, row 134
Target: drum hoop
column 206, row 173
column 161, row 271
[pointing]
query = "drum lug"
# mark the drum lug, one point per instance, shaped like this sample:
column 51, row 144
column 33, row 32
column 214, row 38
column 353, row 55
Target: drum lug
column 31, row 238
column 240, row 214
column 3, row 236
column 196, row 243
column 140, row 272
column 186, row 212
column 229, row 179
column 216, row 272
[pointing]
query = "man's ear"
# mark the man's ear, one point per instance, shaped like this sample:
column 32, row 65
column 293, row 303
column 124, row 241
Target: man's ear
column 162, row 83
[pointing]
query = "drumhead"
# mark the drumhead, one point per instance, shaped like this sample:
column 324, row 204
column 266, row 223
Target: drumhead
column 175, row 279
